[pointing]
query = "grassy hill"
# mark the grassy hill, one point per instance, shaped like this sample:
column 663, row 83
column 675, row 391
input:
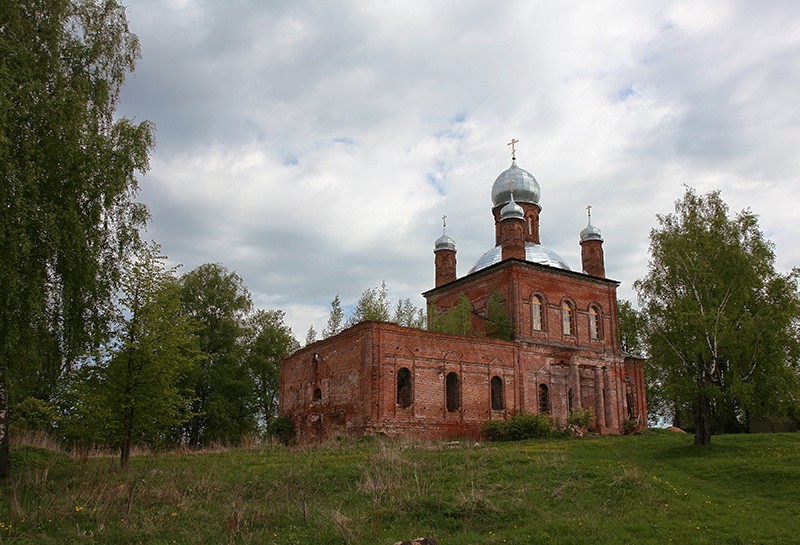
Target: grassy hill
column 654, row 488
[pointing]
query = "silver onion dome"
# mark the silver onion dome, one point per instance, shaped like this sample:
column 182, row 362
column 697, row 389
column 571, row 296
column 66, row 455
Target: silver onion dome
column 520, row 181
column 535, row 253
column 444, row 242
column 512, row 210
column 590, row 232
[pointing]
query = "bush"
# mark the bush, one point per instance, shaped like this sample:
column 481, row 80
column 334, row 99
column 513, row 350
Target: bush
column 32, row 414
column 581, row 418
column 495, row 430
column 282, row 428
column 530, row 426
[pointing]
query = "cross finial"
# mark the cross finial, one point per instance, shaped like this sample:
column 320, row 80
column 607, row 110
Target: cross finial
column 444, row 222
column 589, row 211
column 513, row 148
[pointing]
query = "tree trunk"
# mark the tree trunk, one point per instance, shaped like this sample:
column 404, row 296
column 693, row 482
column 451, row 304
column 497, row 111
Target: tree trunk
column 5, row 461
column 702, row 420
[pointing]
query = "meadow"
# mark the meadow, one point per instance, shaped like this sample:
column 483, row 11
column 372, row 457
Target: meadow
column 655, row 488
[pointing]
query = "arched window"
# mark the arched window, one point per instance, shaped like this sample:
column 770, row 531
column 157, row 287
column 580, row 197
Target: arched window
column 570, row 401
column 536, row 313
column 567, row 318
column 595, row 323
column 544, row 399
column 498, row 403
column 317, row 394
column 404, row 387
column 453, row 392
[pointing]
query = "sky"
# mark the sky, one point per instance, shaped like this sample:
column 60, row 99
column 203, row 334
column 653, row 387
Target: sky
column 312, row 146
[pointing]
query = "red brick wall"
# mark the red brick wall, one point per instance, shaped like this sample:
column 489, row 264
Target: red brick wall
column 356, row 373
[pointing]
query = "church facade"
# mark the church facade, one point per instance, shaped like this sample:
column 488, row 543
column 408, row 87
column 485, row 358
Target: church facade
column 564, row 352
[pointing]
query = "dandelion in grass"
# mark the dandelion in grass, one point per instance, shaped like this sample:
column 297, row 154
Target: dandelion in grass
column 78, row 508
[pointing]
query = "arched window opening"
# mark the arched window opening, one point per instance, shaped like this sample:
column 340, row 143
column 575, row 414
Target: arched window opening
column 453, row 392
column 536, row 306
column 570, row 401
column 317, row 394
column 544, row 399
column 595, row 322
column 404, row 387
column 498, row 403
column 567, row 317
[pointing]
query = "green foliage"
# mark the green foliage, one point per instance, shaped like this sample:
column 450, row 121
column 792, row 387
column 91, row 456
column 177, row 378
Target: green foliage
column 631, row 328
column 372, row 305
column 282, row 428
column 35, row 415
column 530, row 426
column 495, row 430
column 67, row 165
column 224, row 402
column 498, row 322
column 335, row 319
column 580, row 417
column 456, row 320
column 646, row 490
column 132, row 395
column 721, row 322
column 406, row 314
column 311, row 336
column 270, row 340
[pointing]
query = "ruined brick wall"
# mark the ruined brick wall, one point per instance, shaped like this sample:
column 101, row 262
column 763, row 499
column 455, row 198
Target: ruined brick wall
column 325, row 387
column 348, row 384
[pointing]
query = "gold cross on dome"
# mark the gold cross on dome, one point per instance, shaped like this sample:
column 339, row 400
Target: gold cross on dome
column 513, row 148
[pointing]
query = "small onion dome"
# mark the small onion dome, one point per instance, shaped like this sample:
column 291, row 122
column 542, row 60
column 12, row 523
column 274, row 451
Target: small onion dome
column 444, row 242
column 520, row 181
column 512, row 210
column 590, row 232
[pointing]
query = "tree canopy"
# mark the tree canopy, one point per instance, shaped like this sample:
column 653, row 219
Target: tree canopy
column 721, row 323
column 223, row 408
column 68, row 168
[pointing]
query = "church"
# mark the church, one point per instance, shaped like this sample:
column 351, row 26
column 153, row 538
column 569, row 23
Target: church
column 564, row 352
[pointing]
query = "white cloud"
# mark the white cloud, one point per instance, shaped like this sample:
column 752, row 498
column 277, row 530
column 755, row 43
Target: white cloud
column 313, row 147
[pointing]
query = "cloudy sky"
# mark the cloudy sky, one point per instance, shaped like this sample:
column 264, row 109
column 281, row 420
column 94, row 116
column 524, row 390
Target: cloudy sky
column 313, row 146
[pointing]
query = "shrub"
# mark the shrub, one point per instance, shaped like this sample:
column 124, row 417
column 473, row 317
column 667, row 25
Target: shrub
column 282, row 428
column 581, row 418
column 32, row 414
column 530, row 426
column 495, row 430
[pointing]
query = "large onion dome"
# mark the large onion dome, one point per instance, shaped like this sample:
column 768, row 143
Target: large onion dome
column 519, row 181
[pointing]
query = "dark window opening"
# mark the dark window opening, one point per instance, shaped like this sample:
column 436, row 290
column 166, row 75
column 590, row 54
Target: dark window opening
column 544, row 399
column 317, row 394
column 570, row 400
column 453, row 392
column 497, row 394
column 404, row 387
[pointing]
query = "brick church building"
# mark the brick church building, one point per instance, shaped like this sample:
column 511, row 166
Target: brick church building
column 382, row 378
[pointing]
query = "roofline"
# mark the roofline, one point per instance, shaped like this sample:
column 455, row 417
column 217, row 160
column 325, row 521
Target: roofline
column 520, row 262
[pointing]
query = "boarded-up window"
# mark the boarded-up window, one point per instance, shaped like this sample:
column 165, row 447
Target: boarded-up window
column 498, row 403
column 544, row 399
column 594, row 323
column 404, row 387
column 567, row 314
column 536, row 304
column 453, row 392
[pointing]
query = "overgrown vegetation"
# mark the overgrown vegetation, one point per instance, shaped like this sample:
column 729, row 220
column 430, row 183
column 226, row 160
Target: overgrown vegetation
column 519, row 428
column 647, row 489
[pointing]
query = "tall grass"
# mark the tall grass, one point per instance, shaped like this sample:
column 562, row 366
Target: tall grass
column 654, row 488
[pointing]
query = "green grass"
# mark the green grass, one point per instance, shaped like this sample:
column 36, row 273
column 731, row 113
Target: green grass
column 656, row 488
